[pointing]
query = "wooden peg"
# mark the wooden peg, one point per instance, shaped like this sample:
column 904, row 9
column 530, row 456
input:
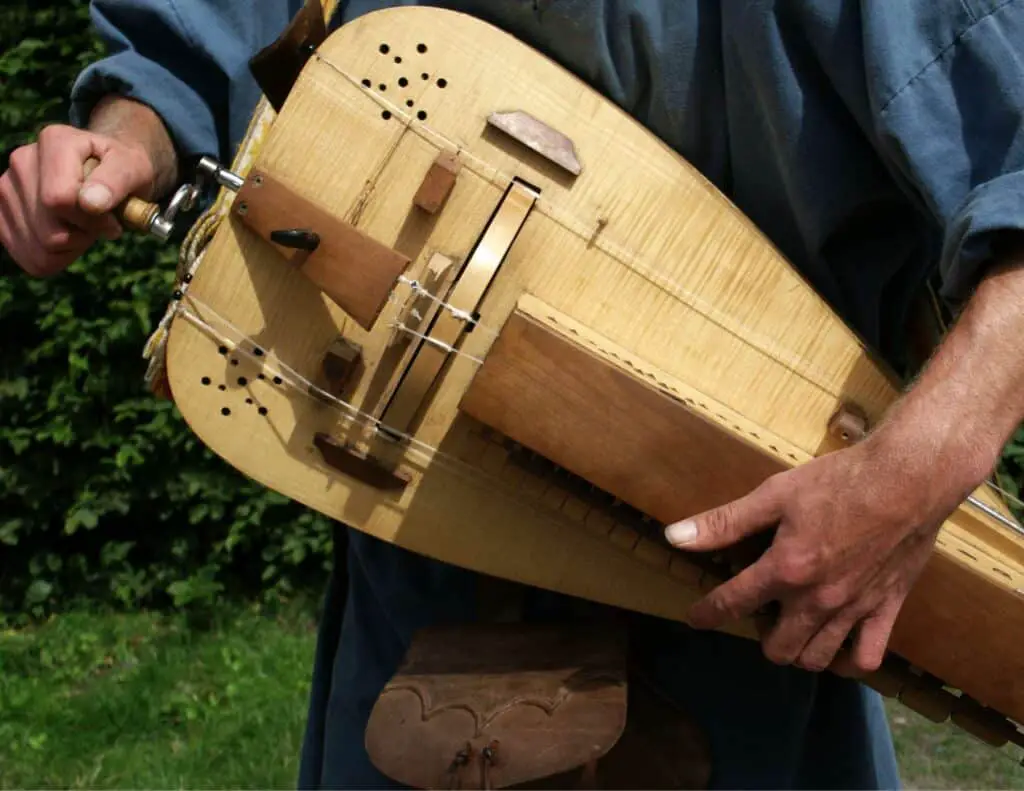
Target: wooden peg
column 849, row 424
column 438, row 183
column 341, row 366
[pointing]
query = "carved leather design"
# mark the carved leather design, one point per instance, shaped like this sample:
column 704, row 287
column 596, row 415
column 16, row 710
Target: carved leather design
column 541, row 700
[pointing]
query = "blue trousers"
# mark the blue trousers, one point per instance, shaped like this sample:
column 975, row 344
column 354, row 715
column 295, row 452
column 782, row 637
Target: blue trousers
column 768, row 726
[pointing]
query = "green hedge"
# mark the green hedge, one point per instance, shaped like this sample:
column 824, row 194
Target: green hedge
column 104, row 492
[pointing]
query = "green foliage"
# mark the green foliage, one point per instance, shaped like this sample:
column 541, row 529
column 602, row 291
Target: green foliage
column 104, row 492
column 143, row 701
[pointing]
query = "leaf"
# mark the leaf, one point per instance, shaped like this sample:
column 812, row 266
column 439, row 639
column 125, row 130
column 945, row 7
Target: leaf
column 9, row 531
column 38, row 592
column 81, row 517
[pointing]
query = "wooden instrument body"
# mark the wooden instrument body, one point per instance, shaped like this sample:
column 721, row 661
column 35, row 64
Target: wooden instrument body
column 638, row 253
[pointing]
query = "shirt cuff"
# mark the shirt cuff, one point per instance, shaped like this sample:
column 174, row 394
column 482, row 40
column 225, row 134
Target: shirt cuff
column 188, row 118
column 990, row 210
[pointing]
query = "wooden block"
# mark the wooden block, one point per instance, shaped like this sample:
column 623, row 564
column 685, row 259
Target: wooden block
column 438, row 183
column 604, row 423
column 926, row 696
column 983, row 723
column 358, row 465
column 354, row 270
column 342, row 365
column 575, row 508
column 624, row 537
column 652, row 553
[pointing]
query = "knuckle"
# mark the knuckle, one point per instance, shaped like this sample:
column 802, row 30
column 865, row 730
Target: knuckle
column 138, row 163
column 829, row 598
column 778, row 655
column 54, row 243
column 718, row 520
column 54, row 134
column 795, row 569
column 814, row 663
column 21, row 158
column 724, row 607
column 56, row 196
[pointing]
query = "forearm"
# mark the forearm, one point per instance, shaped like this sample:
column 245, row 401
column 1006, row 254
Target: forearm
column 137, row 125
column 969, row 399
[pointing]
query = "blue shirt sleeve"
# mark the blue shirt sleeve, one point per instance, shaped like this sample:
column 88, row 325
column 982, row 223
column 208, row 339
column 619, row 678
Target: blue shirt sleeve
column 187, row 60
column 954, row 130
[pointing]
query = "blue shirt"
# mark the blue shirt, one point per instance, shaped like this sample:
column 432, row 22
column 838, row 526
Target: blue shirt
column 878, row 144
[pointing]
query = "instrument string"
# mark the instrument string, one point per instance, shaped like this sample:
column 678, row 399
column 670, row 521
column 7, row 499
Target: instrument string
column 463, row 315
column 439, row 344
column 204, row 317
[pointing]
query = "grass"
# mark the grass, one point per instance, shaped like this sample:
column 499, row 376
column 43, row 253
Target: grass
column 145, row 701
column 939, row 756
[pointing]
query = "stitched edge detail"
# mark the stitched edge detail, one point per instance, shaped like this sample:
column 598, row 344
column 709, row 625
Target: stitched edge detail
column 954, row 43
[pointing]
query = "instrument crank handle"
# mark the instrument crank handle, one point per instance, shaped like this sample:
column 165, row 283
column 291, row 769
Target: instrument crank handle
column 147, row 218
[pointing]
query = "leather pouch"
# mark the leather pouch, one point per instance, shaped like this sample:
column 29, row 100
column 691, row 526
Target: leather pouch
column 500, row 704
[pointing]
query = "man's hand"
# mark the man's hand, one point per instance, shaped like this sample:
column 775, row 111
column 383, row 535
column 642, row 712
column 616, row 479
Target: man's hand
column 51, row 213
column 855, row 528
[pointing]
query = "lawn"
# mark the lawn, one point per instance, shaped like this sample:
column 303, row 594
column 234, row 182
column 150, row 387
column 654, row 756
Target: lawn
column 145, row 701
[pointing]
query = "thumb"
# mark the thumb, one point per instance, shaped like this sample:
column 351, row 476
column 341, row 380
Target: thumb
column 724, row 526
column 112, row 180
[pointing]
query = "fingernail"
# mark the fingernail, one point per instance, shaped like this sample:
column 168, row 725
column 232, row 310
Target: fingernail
column 97, row 197
column 681, row 532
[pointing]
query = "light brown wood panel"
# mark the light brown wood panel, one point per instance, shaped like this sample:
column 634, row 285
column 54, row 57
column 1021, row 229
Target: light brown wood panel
column 638, row 248
column 622, row 431
column 352, row 269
